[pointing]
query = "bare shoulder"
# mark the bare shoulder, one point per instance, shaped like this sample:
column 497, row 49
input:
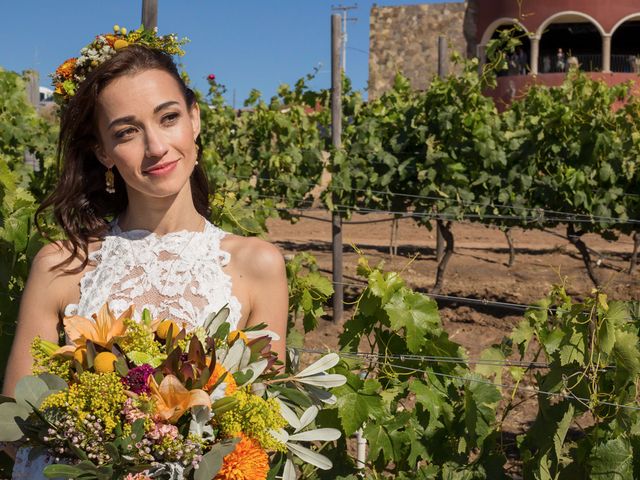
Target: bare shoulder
column 50, row 257
column 254, row 257
column 54, row 275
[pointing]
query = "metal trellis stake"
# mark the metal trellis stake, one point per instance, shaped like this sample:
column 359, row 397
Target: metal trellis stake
column 32, row 78
column 336, row 134
column 442, row 72
column 150, row 14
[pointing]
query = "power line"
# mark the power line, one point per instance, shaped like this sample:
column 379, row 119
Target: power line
column 344, row 9
column 584, row 218
column 434, row 359
column 435, row 215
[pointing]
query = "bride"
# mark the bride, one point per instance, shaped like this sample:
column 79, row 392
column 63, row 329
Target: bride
column 133, row 127
column 129, row 143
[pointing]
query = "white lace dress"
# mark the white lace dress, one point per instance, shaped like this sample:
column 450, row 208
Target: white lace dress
column 178, row 275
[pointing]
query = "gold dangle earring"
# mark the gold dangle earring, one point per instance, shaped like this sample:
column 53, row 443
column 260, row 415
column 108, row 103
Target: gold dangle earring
column 109, row 180
column 195, row 141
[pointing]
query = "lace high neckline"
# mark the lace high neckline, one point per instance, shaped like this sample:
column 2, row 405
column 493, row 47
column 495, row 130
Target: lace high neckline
column 115, row 229
column 176, row 275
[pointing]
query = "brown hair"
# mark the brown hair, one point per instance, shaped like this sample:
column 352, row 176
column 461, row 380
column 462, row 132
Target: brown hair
column 80, row 203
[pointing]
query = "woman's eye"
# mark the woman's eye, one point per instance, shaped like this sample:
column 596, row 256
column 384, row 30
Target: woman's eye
column 126, row 132
column 170, row 118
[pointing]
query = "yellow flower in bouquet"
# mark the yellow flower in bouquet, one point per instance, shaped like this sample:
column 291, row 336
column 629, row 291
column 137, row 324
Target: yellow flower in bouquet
column 254, row 416
column 101, row 395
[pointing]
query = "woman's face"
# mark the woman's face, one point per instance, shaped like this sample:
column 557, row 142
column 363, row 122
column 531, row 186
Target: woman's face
column 148, row 133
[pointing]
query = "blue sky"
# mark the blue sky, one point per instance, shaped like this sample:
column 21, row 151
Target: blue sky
column 246, row 43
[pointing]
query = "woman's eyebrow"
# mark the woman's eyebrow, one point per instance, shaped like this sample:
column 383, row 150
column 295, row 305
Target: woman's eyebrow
column 165, row 105
column 127, row 119
column 131, row 118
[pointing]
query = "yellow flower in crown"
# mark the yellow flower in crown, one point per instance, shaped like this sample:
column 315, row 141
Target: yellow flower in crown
column 70, row 74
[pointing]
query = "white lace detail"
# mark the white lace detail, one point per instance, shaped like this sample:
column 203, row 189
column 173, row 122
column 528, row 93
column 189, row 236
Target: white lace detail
column 177, row 275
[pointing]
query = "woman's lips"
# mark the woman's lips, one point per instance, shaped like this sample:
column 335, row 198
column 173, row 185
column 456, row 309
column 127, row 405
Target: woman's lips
column 162, row 169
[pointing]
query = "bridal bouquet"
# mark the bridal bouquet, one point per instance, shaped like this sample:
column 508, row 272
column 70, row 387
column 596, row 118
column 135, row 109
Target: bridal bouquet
column 148, row 399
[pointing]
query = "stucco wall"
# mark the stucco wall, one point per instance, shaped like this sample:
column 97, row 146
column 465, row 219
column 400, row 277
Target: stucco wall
column 405, row 39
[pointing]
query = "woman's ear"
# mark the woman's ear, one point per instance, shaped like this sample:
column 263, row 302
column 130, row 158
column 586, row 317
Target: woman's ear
column 102, row 157
column 195, row 120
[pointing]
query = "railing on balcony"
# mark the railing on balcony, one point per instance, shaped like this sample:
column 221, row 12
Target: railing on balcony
column 552, row 63
column 625, row 63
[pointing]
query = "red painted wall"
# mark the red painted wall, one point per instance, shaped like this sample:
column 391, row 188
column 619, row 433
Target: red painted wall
column 534, row 12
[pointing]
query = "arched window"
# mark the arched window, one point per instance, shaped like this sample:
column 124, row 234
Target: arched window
column 625, row 47
column 570, row 38
column 518, row 60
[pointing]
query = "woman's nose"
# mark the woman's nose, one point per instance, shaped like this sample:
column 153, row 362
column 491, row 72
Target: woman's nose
column 155, row 146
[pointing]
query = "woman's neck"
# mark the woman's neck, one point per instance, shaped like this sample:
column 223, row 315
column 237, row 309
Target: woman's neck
column 161, row 215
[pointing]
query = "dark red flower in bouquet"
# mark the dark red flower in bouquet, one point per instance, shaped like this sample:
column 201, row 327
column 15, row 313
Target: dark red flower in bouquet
column 211, row 77
column 136, row 379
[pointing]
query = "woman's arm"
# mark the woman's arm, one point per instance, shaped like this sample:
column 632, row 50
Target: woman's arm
column 262, row 266
column 38, row 316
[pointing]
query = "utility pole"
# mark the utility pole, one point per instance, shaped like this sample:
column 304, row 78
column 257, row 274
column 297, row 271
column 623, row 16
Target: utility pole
column 150, row 14
column 344, row 9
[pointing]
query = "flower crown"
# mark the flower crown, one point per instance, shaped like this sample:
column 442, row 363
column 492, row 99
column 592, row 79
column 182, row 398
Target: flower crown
column 72, row 72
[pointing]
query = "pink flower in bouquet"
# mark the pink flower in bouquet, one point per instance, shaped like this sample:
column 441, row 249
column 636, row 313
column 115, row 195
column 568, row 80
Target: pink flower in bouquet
column 211, row 77
column 137, row 476
column 131, row 412
column 162, row 430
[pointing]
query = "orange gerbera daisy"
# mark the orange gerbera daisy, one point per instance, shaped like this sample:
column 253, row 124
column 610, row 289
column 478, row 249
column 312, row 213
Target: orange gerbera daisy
column 67, row 68
column 247, row 462
column 219, row 371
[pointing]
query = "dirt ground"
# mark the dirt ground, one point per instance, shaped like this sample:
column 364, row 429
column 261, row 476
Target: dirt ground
column 478, row 270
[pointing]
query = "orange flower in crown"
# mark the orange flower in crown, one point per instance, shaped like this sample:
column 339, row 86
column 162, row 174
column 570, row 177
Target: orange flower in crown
column 73, row 71
column 67, row 68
